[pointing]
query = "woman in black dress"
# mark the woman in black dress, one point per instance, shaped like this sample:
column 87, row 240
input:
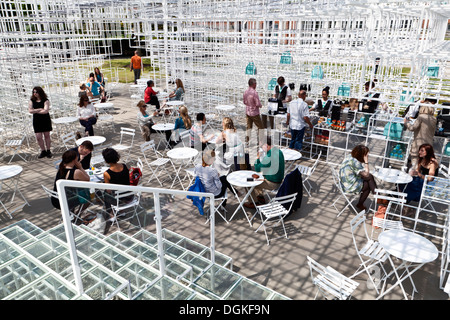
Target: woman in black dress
column 39, row 107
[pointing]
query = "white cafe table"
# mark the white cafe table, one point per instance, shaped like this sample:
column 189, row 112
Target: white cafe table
column 175, row 103
column 225, row 108
column 104, row 106
column 162, row 128
column 394, row 176
column 96, row 175
column 239, row 179
column 9, row 179
column 96, row 140
column 182, row 156
column 290, row 155
column 412, row 249
column 162, row 95
column 65, row 120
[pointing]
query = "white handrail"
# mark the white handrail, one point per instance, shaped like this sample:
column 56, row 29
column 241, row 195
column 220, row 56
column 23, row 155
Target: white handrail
column 62, row 184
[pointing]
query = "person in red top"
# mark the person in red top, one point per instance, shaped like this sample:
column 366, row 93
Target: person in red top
column 150, row 95
column 136, row 66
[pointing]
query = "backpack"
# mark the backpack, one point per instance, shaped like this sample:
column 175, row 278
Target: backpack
column 135, row 175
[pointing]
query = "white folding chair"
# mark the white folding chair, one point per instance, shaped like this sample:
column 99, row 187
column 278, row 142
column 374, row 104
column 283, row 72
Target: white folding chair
column 74, row 216
column 349, row 197
column 121, row 208
column 105, row 121
column 69, row 140
column 307, row 173
column 275, row 210
column 329, row 282
column 371, row 253
column 158, row 166
column 396, row 201
column 15, row 145
column 219, row 205
column 126, row 141
column 185, row 137
column 444, row 170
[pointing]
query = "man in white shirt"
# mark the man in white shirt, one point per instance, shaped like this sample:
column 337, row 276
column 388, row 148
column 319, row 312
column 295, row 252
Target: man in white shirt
column 297, row 119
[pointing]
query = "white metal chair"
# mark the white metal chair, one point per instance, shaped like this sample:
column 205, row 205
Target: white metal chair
column 15, row 145
column 444, row 170
column 329, row 282
column 74, row 216
column 121, row 207
column 105, row 121
column 370, row 253
column 275, row 210
column 219, row 205
column 69, row 140
column 349, row 197
column 307, row 173
column 158, row 166
column 126, row 141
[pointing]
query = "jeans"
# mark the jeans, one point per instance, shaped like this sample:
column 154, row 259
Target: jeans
column 297, row 139
column 88, row 125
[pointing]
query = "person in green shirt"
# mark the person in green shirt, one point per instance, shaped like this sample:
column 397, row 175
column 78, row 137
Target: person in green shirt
column 271, row 166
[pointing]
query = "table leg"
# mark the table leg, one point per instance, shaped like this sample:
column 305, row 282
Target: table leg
column 241, row 203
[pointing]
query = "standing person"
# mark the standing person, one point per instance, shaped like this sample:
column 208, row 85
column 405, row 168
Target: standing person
column 39, row 107
column 355, row 176
column 272, row 168
column 84, row 153
column 297, row 119
column 283, row 95
column 423, row 130
column 144, row 119
column 369, row 105
column 136, row 66
column 324, row 105
column 86, row 115
column 252, row 108
column 150, row 95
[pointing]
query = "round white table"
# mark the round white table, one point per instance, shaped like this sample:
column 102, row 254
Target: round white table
column 182, row 155
column 9, row 177
column 392, row 176
column 239, row 179
column 175, row 103
column 411, row 248
column 291, row 155
column 96, row 140
column 65, row 120
column 162, row 128
column 162, row 95
column 225, row 108
column 103, row 106
column 97, row 174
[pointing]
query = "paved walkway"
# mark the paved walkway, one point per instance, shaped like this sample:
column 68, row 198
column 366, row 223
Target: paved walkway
column 313, row 229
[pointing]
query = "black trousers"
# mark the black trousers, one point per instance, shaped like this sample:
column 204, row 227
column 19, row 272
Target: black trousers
column 369, row 185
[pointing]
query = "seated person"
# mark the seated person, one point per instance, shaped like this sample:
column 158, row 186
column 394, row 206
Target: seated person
column 84, row 153
column 87, row 115
column 355, row 177
column 272, row 168
column 145, row 121
column 95, row 88
column 70, row 169
column 233, row 147
column 426, row 165
column 183, row 122
column 197, row 136
column 84, row 91
column 118, row 173
column 177, row 94
column 150, row 95
column 210, row 177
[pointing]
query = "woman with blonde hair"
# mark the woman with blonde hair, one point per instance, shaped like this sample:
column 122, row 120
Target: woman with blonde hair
column 145, row 121
column 423, row 129
column 231, row 140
